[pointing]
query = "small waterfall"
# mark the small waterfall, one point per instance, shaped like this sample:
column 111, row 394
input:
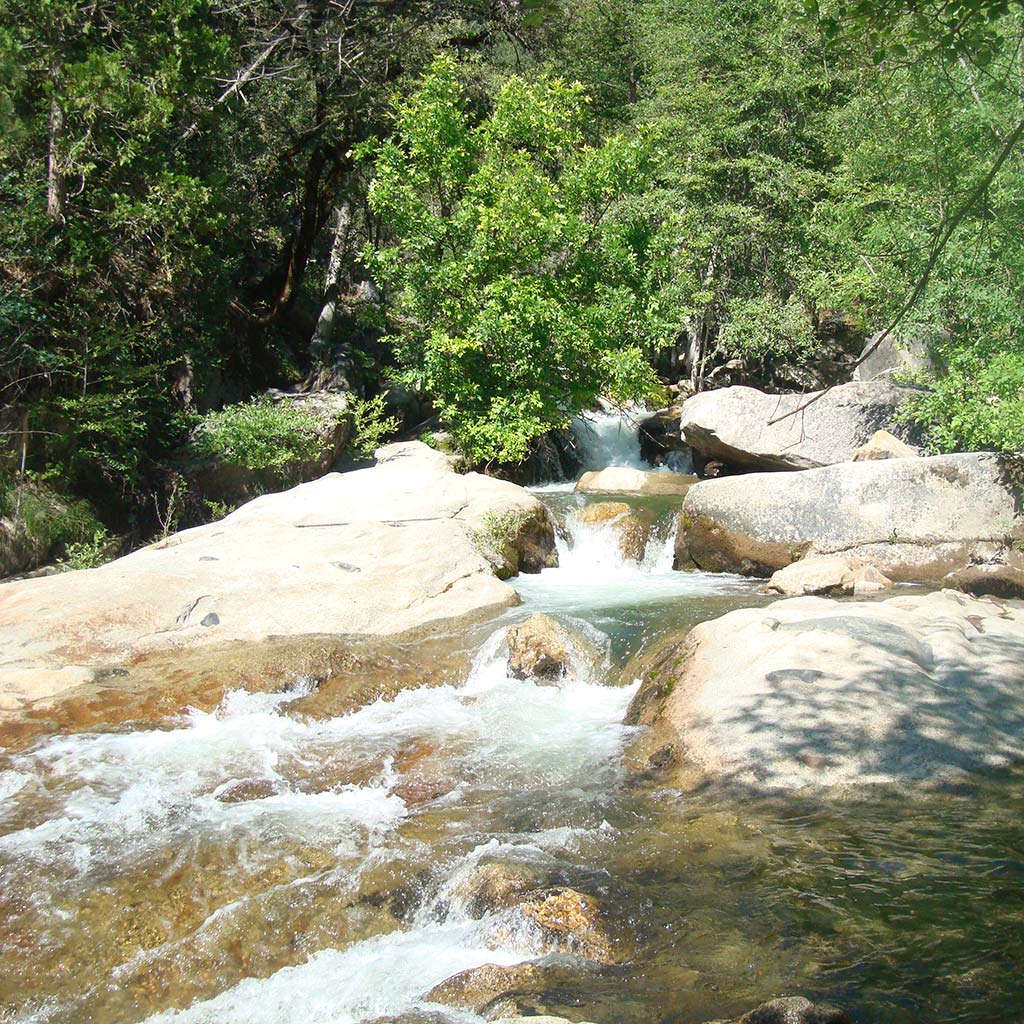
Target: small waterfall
column 594, row 551
column 609, row 438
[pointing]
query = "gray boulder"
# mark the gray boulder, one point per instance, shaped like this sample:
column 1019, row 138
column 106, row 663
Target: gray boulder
column 749, row 430
column 913, row 519
column 810, row 693
column 903, row 353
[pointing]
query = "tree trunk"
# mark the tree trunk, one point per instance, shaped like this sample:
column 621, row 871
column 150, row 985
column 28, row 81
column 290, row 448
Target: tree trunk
column 56, row 181
column 333, row 366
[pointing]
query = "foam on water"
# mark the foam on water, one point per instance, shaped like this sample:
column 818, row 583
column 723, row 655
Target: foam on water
column 385, row 975
column 609, row 439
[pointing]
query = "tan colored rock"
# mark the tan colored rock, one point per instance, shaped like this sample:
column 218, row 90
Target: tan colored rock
column 573, row 921
column 810, row 693
column 993, row 579
column 915, row 520
column 828, row 574
column 379, row 552
column 633, row 531
column 622, row 480
column 480, row 987
column 490, row 887
column 884, row 445
column 562, row 920
column 542, row 648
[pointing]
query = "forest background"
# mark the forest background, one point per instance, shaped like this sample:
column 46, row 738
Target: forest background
column 498, row 209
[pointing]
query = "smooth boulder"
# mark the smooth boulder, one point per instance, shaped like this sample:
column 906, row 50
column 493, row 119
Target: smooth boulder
column 792, row 1010
column 993, row 579
column 751, row 431
column 403, row 548
column 810, row 693
column 623, row 480
column 828, row 574
column 913, row 519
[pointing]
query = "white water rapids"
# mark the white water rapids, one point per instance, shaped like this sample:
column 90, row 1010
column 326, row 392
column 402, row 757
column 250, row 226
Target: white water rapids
column 520, row 770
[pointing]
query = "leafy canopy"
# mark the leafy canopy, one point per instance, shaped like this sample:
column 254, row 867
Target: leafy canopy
column 524, row 280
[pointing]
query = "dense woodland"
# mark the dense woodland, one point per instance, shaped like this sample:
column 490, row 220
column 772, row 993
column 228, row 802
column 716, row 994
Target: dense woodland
column 498, row 209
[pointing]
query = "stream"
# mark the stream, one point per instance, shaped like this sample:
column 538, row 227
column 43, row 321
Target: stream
column 265, row 863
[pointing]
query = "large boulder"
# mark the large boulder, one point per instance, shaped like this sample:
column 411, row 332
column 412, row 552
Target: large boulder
column 810, row 693
column 403, row 548
column 623, row 480
column 913, row 519
column 751, row 431
column 994, row 578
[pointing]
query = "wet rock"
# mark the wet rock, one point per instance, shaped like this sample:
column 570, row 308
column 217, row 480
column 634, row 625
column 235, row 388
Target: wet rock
column 564, row 920
column 542, row 648
column 794, row 1010
column 915, row 520
column 660, row 437
column 808, row 693
column 993, row 579
column 884, row 445
column 622, row 480
column 410, row 525
column 633, row 531
column 480, row 988
column 490, row 887
column 828, row 574
column 749, row 430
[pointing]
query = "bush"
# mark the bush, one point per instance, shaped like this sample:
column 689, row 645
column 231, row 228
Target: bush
column 370, row 426
column 261, row 434
column 764, row 328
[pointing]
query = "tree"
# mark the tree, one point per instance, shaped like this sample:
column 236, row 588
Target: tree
column 524, row 274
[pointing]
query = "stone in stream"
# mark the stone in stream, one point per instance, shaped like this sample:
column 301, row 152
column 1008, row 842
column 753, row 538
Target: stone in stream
column 541, row 648
column 564, row 920
column 489, row 887
column 915, row 520
column 427, row 543
column 623, row 480
column 480, row 988
column 750, row 431
column 632, row 530
column 810, row 693
column 792, row 1010
column 828, row 574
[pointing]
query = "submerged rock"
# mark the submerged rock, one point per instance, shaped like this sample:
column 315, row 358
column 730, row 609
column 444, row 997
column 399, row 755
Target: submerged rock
column 489, row 887
column 808, row 693
column 792, row 1010
column 387, row 551
column 828, row 574
column 622, row 480
column 749, row 430
column 542, row 648
column 913, row 519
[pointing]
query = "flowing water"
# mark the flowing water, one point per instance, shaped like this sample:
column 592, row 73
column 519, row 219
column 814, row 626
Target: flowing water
column 268, row 862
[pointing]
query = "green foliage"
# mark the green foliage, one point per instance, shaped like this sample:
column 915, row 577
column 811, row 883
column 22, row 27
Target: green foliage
column 87, row 554
column 370, row 425
column 520, row 274
column 763, row 328
column 261, row 434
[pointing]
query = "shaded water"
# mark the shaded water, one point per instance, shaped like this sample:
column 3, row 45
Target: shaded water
column 272, row 862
